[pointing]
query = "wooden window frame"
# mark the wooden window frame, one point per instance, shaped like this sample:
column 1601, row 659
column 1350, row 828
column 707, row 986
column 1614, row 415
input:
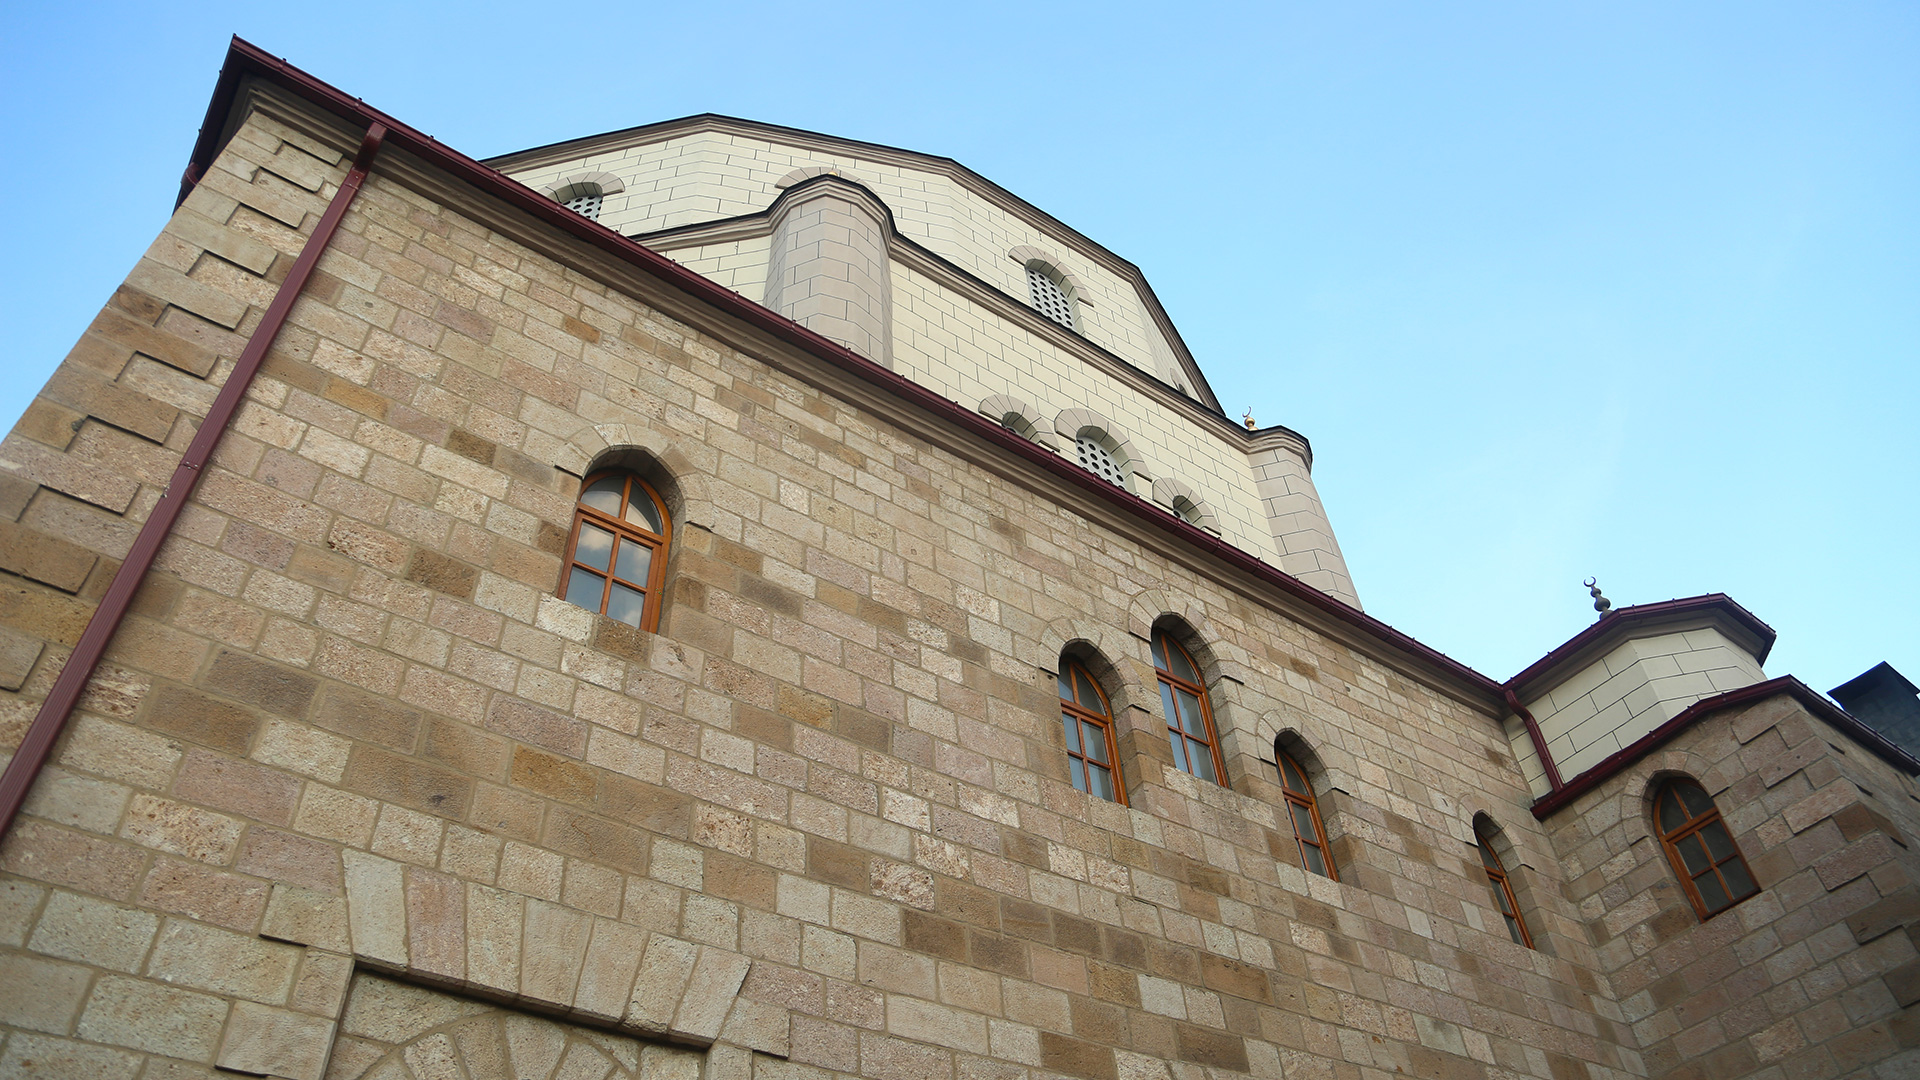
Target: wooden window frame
column 1174, row 728
column 1694, row 826
column 1503, row 895
column 625, row 532
column 1070, row 707
column 1304, row 796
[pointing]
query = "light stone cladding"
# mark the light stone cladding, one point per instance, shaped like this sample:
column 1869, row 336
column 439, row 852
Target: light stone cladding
column 1640, row 684
column 708, row 175
column 1261, row 497
column 355, row 794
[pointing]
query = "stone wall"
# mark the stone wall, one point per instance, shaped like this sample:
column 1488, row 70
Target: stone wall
column 819, row 824
column 1812, row 977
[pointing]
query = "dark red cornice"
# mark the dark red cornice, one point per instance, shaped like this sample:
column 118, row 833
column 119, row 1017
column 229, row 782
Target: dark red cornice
column 246, row 60
column 1835, row 717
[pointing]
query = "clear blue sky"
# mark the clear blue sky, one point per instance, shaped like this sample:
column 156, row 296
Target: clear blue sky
column 1626, row 289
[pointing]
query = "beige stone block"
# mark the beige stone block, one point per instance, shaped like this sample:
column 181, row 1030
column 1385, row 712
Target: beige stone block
column 40, row 995
column 606, row 979
column 711, row 988
column 664, row 971
column 494, row 920
column 93, row 931
column 181, row 829
column 18, row 902
column 29, row 1056
column 321, row 986
column 275, row 1042
column 153, row 1017
column 553, row 947
column 376, row 907
column 758, row 1025
column 307, row 917
column 205, row 958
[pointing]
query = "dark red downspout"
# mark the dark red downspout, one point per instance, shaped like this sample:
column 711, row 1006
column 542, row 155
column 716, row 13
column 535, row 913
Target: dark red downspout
column 1554, row 783
column 47, row 724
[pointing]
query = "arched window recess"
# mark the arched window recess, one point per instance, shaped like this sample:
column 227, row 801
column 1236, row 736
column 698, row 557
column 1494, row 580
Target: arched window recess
column 617, row 553
column 1486, row 834
column 1712, row 871
column 1086, row 719
column 1191, row 733
column 1303, row 813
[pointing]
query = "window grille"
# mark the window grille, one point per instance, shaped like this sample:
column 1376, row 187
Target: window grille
column 586, row 204
column 1095, row 459
column 1048, row 299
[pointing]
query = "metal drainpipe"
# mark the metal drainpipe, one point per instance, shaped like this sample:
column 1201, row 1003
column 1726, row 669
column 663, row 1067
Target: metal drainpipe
column 34, row 750
column 1554, row 783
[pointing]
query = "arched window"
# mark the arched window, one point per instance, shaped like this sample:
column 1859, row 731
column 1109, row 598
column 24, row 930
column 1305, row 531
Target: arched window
column 1098, row 460
column 585, row 200
column 1701, row 849
column 1196, row 746
column 617, row 556
column 1503, row 897
column 1304, row 811
column 1048, row 297
column 1088, row 721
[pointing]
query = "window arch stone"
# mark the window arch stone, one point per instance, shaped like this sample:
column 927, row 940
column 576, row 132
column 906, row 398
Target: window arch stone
column 808, row 172
column 1074, row 424
column 1020, row 418
column 574, row 184
column 1185, row 503
column 1027, row 255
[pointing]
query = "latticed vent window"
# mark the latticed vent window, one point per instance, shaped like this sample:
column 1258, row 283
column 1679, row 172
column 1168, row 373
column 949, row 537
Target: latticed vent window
column 1095, row 459
column 1048, row 300
column 1186, row 509
column 586, row 204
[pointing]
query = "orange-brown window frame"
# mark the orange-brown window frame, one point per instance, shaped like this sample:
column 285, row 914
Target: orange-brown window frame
column 1698, row 827
column 1075, row 718
column 625, row 532
column 1503, row 896
column 1179, row 738
column 1299, row 795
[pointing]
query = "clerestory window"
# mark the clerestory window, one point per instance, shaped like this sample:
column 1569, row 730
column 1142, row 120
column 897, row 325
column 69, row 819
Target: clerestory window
column 1048, row 296
column 585, row 201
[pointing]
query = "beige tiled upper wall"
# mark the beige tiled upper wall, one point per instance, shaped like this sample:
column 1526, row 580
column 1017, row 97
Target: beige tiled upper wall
column 705, row 176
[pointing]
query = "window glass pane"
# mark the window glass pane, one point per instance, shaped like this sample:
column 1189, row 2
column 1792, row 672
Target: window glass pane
column 595, row 546
column 635, row 561
column 1671, row 816
column 1181, row 665
column 1202, row 760
column 586, row 589
column 1160, row 652
column 1487, row 857
column 1291, row 777
column 1739, row 882
column 1079, row 771
column 626, row 605
column 1179, row 751
column 1694, row 798
column 1089, row 697
column 641, row 511
column 1166, row 705
column 604, row 494
column 1303, row 822
column 1100, row 782
column 1066, row 685
column 1712, row 893
column 1073, row 732
column 1499, row 896
column 1196, row 724
column 1692, row 853
column 1719, row 843
column 1513, row 930
column 1095, row 740
column 1315, row 861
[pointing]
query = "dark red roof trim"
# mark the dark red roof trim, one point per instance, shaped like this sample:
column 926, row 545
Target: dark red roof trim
column 1835, row 717
column 1625, row 617
column 245, row 59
